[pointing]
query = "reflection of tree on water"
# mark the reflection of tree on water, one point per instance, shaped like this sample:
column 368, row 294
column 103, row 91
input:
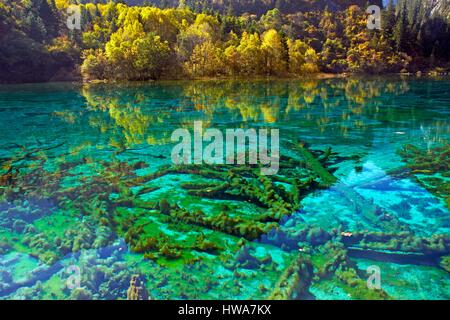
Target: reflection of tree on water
column 127, row 122
column 332, row 108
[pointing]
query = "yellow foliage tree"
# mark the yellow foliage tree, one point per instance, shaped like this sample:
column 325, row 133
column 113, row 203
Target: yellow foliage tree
column 251, row 57
column 206, row 61
column 274, row 53
column 302, row 58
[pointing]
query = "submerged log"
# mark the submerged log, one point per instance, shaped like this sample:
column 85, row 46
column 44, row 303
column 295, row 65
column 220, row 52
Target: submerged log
column 314, row 165
column 295, row 281
column 371, row 212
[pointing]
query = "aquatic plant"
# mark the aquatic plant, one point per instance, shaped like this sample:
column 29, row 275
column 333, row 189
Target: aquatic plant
column 170, row 252
column 402, row 242
column 294, row 281
column 137, row 290
column 202, row 244
column 445, row 263
column 116, row 202
column 314, row 164
column 430, row 168
column 164, row 206
column 81, row 294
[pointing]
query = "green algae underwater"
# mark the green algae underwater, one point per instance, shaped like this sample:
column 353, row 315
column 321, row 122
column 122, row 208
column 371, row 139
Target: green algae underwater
column 91, row 206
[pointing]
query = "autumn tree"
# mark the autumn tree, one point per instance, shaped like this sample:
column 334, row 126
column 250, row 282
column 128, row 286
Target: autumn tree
column 302, row 58
column 136, row 55
column 274, row 53
column 206, row 61
column 251, row 56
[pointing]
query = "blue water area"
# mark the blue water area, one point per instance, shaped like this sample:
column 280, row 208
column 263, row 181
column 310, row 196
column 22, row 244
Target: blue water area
column 89, row 195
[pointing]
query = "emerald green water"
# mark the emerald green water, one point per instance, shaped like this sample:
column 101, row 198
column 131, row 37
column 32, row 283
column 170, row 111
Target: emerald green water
column 76, row 176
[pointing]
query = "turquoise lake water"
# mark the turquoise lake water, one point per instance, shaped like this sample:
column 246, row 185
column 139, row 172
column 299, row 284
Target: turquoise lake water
column 85, row 204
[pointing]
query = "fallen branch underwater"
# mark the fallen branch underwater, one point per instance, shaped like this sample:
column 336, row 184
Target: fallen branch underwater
column 273, row 197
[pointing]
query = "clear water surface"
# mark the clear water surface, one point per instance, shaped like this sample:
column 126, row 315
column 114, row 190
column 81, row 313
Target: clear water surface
column 59, row 140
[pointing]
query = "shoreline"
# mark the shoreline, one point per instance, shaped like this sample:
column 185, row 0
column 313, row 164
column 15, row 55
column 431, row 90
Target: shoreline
column 317, row 76
column 320, row 75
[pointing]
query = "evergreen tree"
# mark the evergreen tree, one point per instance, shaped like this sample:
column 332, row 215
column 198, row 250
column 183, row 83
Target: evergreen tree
column 388, row 20
column 400, row 32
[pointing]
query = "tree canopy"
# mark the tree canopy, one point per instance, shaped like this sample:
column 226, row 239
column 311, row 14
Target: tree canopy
column 122, row 42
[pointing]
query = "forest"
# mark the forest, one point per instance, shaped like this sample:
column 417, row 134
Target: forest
column 177, row 39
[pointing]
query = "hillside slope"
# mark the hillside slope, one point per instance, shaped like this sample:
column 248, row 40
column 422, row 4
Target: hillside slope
column 254, row 6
